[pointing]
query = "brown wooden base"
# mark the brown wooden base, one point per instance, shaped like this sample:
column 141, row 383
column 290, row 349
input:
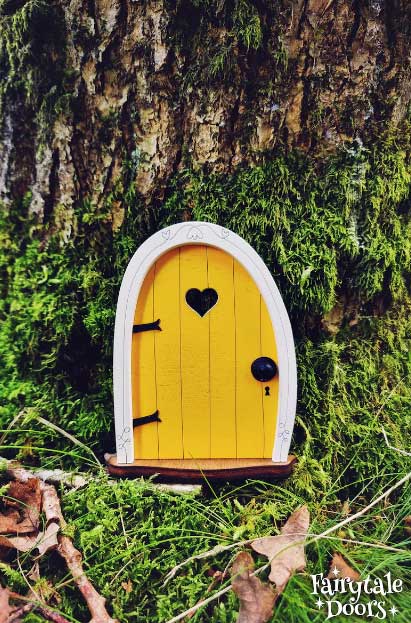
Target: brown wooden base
column 197, row 470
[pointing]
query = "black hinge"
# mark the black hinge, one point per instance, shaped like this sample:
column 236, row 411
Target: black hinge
column 154, row 417
column 148, row 326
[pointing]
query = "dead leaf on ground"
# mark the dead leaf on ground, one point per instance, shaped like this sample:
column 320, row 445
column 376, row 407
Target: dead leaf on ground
column 5, row 608
column 21, row 507
column 127, row 586
column 407, row 522
column 339, row 567
column 30, row 494
column 256, row 599
column 42, row 541
column 286, row 550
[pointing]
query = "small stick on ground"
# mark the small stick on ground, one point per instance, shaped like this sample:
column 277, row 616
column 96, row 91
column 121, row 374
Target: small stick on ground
column 46, row 613
column 19, row 613
column 71, row 555
column 95, row 601
column 56, row 476
column 399, row 450
column 218, row 549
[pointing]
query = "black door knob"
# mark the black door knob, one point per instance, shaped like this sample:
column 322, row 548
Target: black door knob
column 264, row 369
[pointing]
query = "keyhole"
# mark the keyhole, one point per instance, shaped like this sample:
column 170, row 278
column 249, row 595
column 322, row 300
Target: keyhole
column 267, row 391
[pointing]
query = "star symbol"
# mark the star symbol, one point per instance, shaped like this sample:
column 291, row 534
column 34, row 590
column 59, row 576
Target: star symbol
column 319, row 603
column 393, row 611
column 336, row 572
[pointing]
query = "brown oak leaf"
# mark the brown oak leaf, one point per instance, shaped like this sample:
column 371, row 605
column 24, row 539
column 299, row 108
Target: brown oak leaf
column 256, row 599
column 21, row 507
column 339, row 567
column 5, row 608
column 42, row 541
column 286, row 550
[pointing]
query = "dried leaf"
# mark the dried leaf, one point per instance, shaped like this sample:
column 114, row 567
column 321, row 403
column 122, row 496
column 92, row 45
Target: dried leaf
column 339, row 567
column 23, row 543
column 127, row 586
column 34, row 573
column 256, row 599
column 42, row 541
column 22, row 507
column 407, row 528
column 5, row 608
column 286, row 550
column 47, row 540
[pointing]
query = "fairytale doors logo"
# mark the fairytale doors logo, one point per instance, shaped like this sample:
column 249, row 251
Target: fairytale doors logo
column 368, row 597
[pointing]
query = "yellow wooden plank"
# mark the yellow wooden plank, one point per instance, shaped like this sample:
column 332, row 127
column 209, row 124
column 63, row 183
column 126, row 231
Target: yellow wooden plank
column 222, row 355
column 167, row 350
column 270, row 397
column 195, row 354
column 143, row 374
column 249, row 411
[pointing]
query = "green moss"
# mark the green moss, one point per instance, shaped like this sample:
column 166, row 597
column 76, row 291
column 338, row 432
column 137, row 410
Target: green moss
column 247, row 24
column 132, row 534
column 335, row 236
column 218, row 37
column 33, row 58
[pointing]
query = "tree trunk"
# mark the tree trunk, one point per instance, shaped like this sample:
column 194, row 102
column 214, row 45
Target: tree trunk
column 90, row 86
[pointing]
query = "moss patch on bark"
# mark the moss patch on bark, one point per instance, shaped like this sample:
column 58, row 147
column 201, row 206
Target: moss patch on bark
column 337, row 240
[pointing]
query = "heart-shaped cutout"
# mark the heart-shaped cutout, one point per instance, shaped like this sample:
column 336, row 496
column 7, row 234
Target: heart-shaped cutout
column 203, row 301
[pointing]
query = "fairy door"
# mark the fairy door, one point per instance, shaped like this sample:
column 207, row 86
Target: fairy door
column 204, row 367
column 203, row 361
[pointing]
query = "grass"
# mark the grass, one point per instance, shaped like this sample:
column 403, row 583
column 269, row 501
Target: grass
column 132, row 534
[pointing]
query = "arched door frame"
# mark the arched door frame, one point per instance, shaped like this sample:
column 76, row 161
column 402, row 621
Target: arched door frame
column 189, row 233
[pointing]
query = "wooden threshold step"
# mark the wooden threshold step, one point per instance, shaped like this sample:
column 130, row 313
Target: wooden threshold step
column 200, row 469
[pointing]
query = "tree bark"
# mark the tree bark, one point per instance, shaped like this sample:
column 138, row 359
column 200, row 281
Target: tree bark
column 144, row 88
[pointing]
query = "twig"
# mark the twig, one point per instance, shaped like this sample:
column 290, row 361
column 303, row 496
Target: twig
column 218, row 549
column 404, row 452
column 217, row 578
column 363, row 511
column 223, row 591
column 55, row 476
column 52, row 509
column 200, row 604
column 95, row 602
column 30, row 605
column 51, row 615
column 20, row 612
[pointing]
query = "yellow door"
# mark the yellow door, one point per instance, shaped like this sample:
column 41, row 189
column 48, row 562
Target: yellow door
column 194, row 395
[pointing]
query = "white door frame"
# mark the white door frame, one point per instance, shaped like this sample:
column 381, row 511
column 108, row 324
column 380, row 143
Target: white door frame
column 196, row 232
